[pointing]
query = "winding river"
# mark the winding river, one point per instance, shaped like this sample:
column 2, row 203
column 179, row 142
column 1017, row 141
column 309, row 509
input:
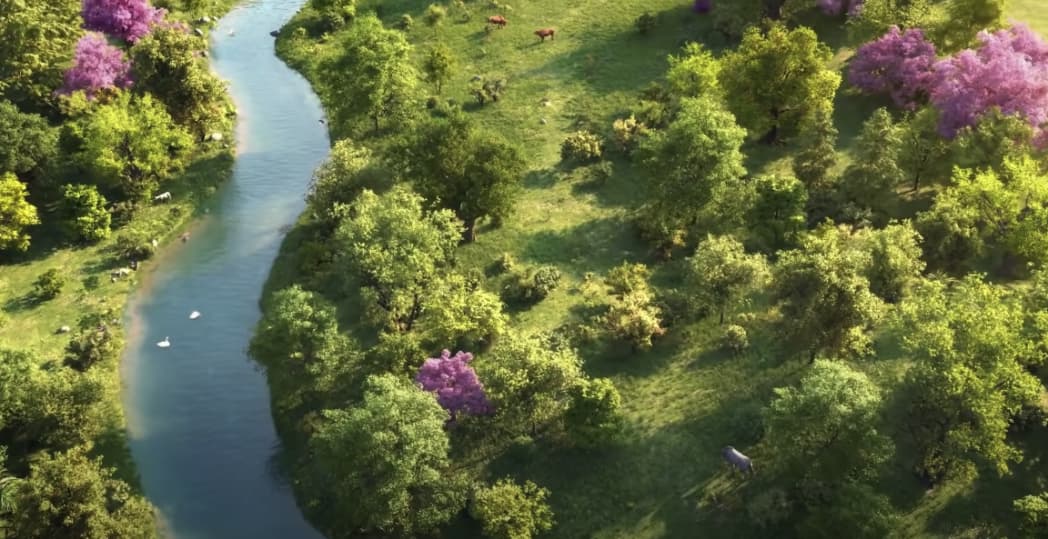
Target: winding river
column 198, row 412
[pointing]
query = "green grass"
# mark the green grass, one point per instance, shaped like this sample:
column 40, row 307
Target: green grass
column 684, row 399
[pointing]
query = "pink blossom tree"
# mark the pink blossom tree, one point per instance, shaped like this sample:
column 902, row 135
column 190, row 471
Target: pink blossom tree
column 455, row 383
column 97, row 65
column 900, row 64
column 1009, row 71
column 129, row 20
column 837, row 7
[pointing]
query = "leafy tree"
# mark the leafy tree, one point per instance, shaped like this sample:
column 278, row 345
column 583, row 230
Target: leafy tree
column 397, row 250
column 856, row 511
column 965, row 18
column 871, row 179
column 839, row 7
column 899, row 64
column 439, row 65
column 168, row 65
column 632, row 314
column 30, row 143
column 796, row 83
column 1033, row 512
column 471, row 172
column 9, row 486
column 97, row 66
column 689, row 159
column 969, row 374
column 777, row 216
column 348, row 170
column 49, row 284
column 991, row 142
column 128, row 20
column 895, row 260
column 36, row 46
column 71, row 496
column 387, row 459
column 507, row 510
column 66, row 407
column 818, row 154
column 16, row 214
column 825, row 429
column 454, row 383
column 595, row 413
column 456, row 313
column 923, row 155
column 93, row 346
column 435, row 14
column 694, row 73
column 721, row 273
column 129, row 145
column 879, row 16
column 373, row 75
column 83, row 213
column 823, row 294
column 17, row 368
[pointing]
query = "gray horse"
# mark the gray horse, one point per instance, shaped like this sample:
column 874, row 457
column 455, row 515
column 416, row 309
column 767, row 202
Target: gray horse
column 737, row 460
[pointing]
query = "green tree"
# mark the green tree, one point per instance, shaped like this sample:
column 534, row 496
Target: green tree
column 439, row 65
column 777, row 216
column 388, row 461
column 16, row 214
column 880, row 15
column 456, row 315
column 474, row 173
column 795, row 82
column 130, row 145
column 31, row 143
column 964, row 19
column 373, row 76
column 969, row 375
column 996, row 139
column 507, row 510
column 17, row 368
column 721, row 274
column 349, row 169
column 397, row 250
column 818, row 154
column 923, row 154
column 825, row 429
column 49, row 284
column 93, row 346
column 895, row 260
column 37, row 40
column 71, row 496
column 83, row 213
column 9, row 486
column 632, row 314
column 167, row 63
column 689, row 159
column 870, row 180
column 1033, row 512
column 824, row 295
column 856, row 511
column 595, row 413
column 694, row 73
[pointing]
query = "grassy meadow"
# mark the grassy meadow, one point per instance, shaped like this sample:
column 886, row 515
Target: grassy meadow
column 684, row 399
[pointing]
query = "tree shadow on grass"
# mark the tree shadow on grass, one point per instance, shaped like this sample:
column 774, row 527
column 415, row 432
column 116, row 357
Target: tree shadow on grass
column 595, row 246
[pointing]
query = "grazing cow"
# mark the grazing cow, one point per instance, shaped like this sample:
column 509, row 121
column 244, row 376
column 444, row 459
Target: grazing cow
column 737, row 460
column 546, row 32
column 498, row 20
column 122, row 272
column 165, row 196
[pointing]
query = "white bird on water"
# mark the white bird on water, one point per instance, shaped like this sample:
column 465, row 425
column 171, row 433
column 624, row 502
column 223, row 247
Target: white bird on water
column 194, row 315
column 164, row 343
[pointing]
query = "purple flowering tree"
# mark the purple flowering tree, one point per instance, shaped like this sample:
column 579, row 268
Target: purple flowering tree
column 900, row 64
column 455, row 384
column 97, row 65
column 1009, row 71
column 836, row 7
column 703, row 6
column 129, row 20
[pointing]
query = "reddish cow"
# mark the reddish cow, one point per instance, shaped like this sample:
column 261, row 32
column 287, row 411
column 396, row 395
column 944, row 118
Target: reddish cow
column 546, row 32
column 498, row 20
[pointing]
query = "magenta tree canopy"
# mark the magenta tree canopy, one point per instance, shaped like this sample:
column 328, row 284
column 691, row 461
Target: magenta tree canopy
column 455, row 383
column 129, row 20
column 900, row 64
column 97, row 65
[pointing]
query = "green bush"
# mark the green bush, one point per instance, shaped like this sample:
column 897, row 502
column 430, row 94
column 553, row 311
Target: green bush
column 83, row 213
column 628, row 132
column 435, row 14
column 533, row 286
column 406, row 22
column 48, row 285
column 1033, row 514
column 581, row 146
column 735, row 339
column 134, row 246
column 646, row 22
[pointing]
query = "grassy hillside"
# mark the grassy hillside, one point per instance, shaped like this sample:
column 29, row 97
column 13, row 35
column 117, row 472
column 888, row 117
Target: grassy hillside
column 684, row 399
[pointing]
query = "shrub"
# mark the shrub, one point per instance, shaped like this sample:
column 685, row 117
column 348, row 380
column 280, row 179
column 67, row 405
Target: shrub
column 134, row 246
column 532, row 286
column 83, row 213
column 1033, row 514
column 601, row 172
column 627, row 133
column 406, row 22
column 595, row 415
column 48, row 285
column 435, row 13
column 581, row 146
column 646, row 22
column 735, row 339
column 505, row 263
column 488, row 90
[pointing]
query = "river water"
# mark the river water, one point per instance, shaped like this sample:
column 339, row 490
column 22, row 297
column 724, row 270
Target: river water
column 198, row 412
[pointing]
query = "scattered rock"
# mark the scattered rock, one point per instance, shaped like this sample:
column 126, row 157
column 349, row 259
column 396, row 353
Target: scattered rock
column 543, row 121
column 204, row 54
column 204, row 20
column 215, row 136
column 198, row 32
column 476, row 78
column 63, row 329
column 275, row 33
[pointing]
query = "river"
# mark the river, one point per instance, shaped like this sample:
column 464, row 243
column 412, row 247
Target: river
column 198, row 412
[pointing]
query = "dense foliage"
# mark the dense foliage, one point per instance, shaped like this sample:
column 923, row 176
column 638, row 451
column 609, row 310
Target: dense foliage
column 97, row 66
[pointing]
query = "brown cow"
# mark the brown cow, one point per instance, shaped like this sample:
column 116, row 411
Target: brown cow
column 546, row 32
column 498, row 20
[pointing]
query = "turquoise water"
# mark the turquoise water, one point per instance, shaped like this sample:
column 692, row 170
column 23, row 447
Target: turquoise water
column 198, row 412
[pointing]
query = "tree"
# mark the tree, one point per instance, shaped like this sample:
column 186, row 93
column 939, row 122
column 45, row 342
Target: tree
column 83, row 213
column 456, row 313
column 438, row 65
column 895, row 260
column 454, row 383
column 991, row 142
column 825, row 429
column 397, row 250
column 387, row 460
column 853, row 8
column 168, row 65
column 49, row 284
column 818, row 154
column 507, row 510
column 796, row 83
column 1009, row 71
column 30, row 143
column 856, row 510
column 823, row 294
column 474, row 173
column 97, row 66
column 130, row 145
column 127, row 20
column 348, row 170
column 898, row 63
column 777, row 216
column 632, row 314
column 688, row 160
column 969, row 374
column 36, row 46
column 694, row 73
column 71, row 496
column 965, row 18
column 373, row 75
column 1033, row 510
column 923, row 154
column 92, row 346
column 879, row 16
column 16, row 214
column 17, row 368
column 871, row 179
column 9, row 486
column 721, row 273
column 435, row 14
column 595, row 413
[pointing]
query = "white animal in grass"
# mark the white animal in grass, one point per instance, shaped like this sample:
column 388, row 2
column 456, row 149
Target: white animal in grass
column 163, row 197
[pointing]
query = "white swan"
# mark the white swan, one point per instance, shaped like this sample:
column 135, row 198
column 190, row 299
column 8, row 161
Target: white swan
column 164, row 343
column 194, row 315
